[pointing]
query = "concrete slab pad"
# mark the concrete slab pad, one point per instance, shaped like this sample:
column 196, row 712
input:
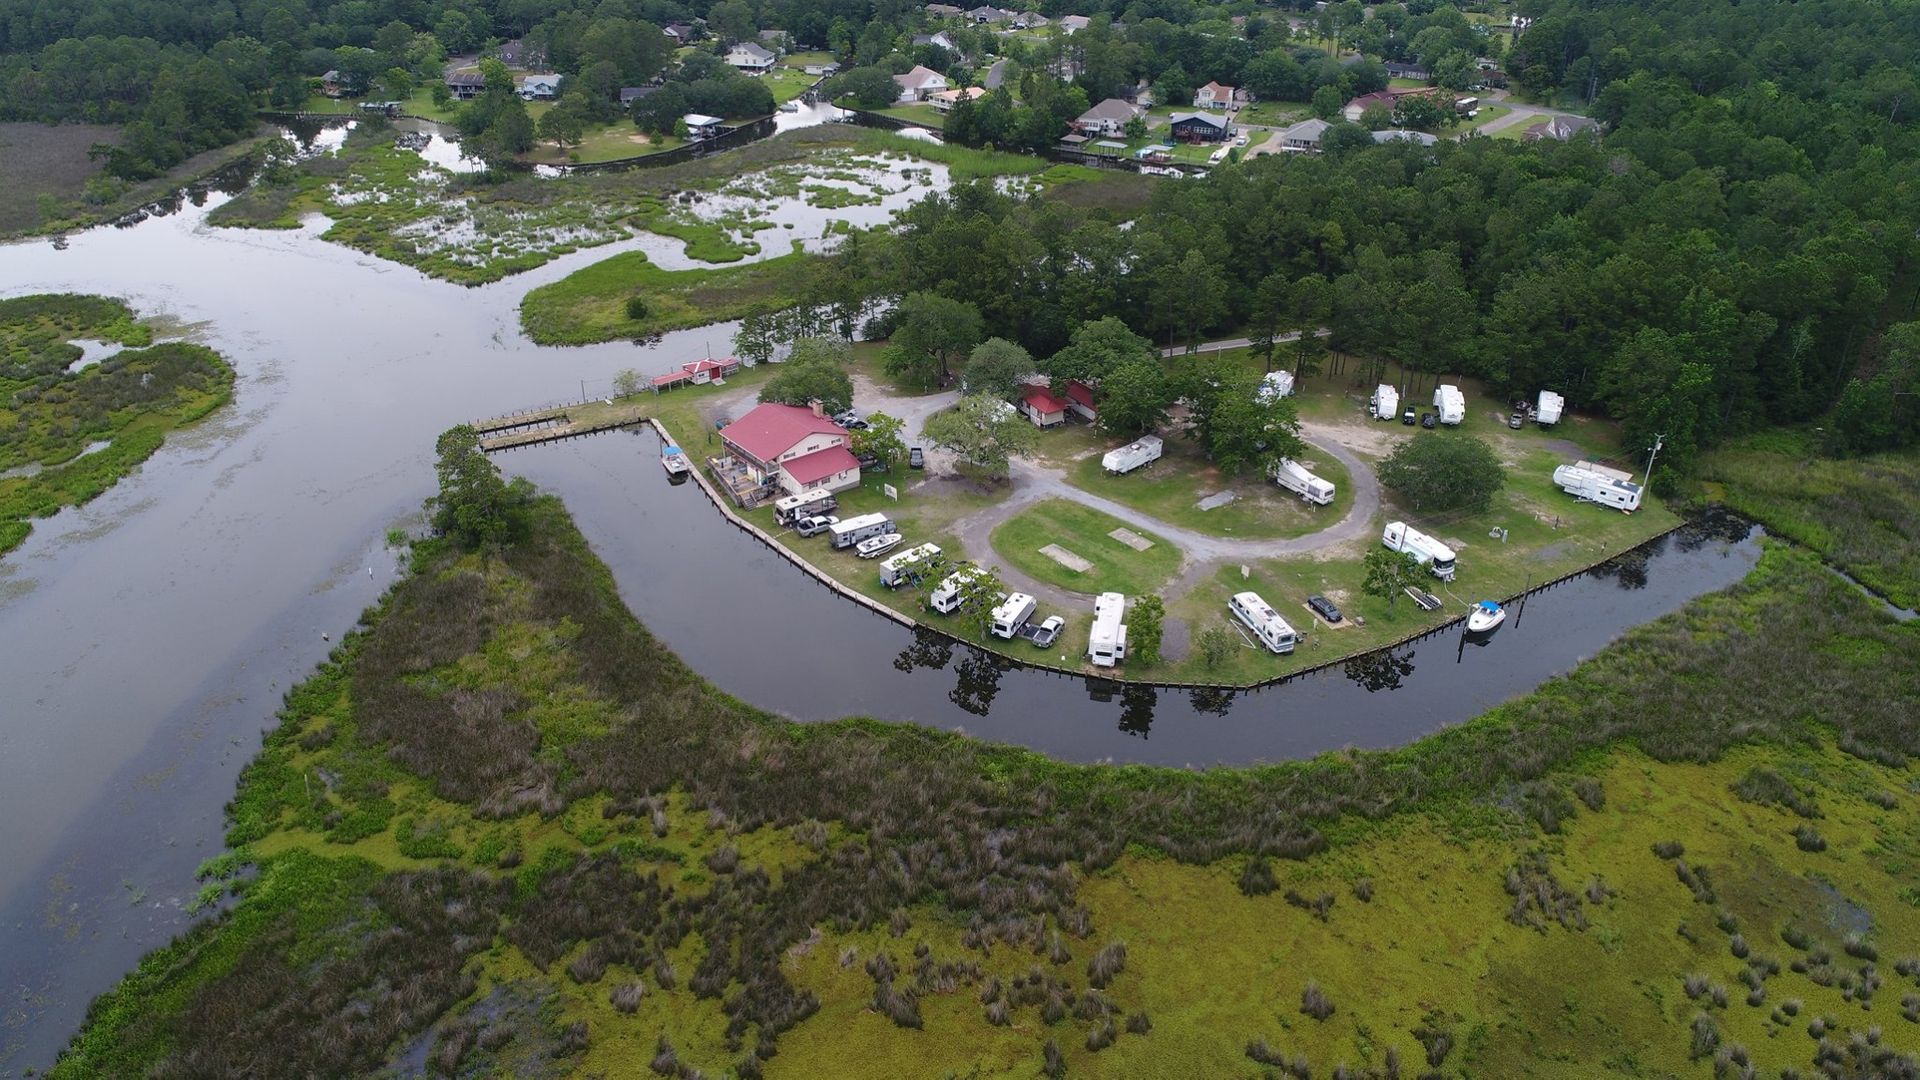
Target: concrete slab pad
column 1132, row 539
column 1216, row 500
column 1066, row 558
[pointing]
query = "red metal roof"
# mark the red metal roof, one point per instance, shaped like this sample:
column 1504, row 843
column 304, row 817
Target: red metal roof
column 1080, row 392
column 695, row 367
column 769, row 430
column 1042, row 399
column 820, row 465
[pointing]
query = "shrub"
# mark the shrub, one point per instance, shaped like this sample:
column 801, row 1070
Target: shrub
column 1256, row 879
column 1768, row 788
column 1107, row 963
column 1314, row 1003
column 1807, row 838
column 1669, row 849
column 1052, row 1063
column 1363, row 890
column 1140, row 1023
column 626, row 997
column 637, row 308
column 1102, row 1035
column 1437, row 473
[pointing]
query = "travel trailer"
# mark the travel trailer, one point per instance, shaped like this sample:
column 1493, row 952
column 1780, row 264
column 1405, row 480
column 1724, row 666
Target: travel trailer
column 1274, row 386
column 948, row 595
column 1012, row 614
column 1258, row 616
column 1133, row 455
column 1108, row 644
column 1547, row 413
column 1386, row 402
column 813, row 501
column 1451, row 403
column 909, row 566
column 1432, row 554
column 855, row 529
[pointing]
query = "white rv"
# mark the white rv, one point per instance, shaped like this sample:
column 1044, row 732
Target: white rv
column 855, row 529
column 947, row 596
column 1258, row 616
column 1294, row 477
column 909, row 566
column 1276, row 385
column 1597, row 483
column 792, row 508
column 1386, row 403
column 1451, row 403
column 1133, row 455
column 1432, row 554
column 1012, row 614
column 1550, row 407
column 1108, row 644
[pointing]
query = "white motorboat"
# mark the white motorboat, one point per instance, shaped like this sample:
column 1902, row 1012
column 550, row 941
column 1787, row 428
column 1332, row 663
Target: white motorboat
column 877, row 545
column 1485, row 617
column 675, row 462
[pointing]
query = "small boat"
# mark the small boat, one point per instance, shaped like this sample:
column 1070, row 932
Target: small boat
column 676, row 463
column 877, row 545
column 1485, row 617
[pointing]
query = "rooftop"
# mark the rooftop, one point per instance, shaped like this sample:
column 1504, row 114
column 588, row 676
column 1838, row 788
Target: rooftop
column 769, row 430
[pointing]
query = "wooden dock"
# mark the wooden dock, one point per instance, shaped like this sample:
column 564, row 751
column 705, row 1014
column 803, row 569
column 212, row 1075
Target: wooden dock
column 532, row 427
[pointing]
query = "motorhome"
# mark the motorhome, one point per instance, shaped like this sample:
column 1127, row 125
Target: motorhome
column 1432, row 554
column 1451, row 403
column 1274, row 386
column 909, row 566
column 813, row 501
column 1599, row 484
column 855, row 529
column 1107, row 645
column 1386, row 402
column 950, row 593
column 1133, row 455
column 1294, row 477
column 1258, row 616
column 1547, row 413
column 1012, row 614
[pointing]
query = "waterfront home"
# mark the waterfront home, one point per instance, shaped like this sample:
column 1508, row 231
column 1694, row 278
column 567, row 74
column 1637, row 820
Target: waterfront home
column 1304, row 137
column 466, row 85
column 696, row 373
column 1560, row 128
column 945, row 100
column 919, row 84
column 790, row 448
column 1199, row 127
column 701, row 127
column 1107, row 118
column 1213, row 96
column 750, row 58
column 537, row 87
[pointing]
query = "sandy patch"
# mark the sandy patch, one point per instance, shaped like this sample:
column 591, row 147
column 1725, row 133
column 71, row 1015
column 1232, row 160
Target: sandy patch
column 1216, row 500
column 1066, row 558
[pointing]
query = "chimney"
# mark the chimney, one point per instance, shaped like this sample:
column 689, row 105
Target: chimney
column 818, row 409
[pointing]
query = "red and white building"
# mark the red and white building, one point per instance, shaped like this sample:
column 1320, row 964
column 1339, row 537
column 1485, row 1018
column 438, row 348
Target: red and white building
column 792, row 448
column 1080, row 400
column 1039, row 404
column 696, row 373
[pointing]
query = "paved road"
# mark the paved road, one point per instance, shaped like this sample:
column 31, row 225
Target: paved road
column 1522, row 114
column 1237, row 343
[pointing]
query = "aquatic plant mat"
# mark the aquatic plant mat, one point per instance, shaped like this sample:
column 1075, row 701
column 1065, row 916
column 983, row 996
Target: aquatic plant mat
column 504, row 831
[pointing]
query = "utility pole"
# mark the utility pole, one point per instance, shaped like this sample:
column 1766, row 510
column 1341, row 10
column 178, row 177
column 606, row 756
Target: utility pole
column 1659, row 441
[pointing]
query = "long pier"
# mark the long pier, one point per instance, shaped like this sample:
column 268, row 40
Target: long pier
column 535, row 426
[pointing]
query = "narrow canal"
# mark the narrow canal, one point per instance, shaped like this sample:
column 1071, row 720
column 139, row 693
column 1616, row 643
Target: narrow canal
column 146, row 639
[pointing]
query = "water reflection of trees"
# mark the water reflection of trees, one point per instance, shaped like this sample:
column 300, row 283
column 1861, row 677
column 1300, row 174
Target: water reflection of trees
column 979, row 680
column 1629, row 569
column 1213, row 700
column 1713, row 527
column 1383, row 670
column 1137, row 702
column 928, row 650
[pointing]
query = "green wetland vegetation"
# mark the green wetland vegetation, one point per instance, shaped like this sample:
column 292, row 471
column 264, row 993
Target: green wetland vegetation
column 67, row 432
column 504, row 830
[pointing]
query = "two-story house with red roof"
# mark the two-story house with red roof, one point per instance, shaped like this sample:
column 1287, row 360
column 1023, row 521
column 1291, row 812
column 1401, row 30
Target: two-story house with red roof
column 792, row 447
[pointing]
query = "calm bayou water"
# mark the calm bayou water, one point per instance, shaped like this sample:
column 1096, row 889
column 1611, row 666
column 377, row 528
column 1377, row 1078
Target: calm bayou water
column 145, row 639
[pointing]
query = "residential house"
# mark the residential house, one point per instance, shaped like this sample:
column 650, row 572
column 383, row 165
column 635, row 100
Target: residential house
column 750, row 58
column 1408, row 71
column 681, row 33
column 1080, row 400
column 631, row 94
column 1561, row 128
column 519, row 54
column 1028, row 20
column 942, row 39
column 988, row 15
column 943, row 11
column 1039, row 404
column 1304, row 137
column 1110, row 117
column 696, row 373
column 333, row 84
column 537, row 87
column 1072, row 24
column 701, row 127
column 1358, row 106
column 1199, row 127
column 466, row 85
column 945, row 100
column 919, row 84
column 1404, row 135
column 1213, row 96
column 792, row 447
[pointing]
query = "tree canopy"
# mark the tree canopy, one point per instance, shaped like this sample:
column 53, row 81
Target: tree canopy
column 1434, row 472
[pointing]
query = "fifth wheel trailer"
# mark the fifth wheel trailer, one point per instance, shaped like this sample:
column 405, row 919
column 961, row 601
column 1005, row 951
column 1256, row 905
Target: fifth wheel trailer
column 1430, row 553
column 1108, row 644
column 1547, row 412
column 1451, row 403
column 1294, row 477
column 1133, row 455
column 1597, row 483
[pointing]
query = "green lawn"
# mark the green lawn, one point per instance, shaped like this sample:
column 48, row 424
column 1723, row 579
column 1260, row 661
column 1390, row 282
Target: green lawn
column 590, row 304
column 1409, row 84
column 919, row 113
column 1170, row 488
column 1083, row 531
column 1275, row 113
column 788, row 83
column 612, row 142
column 1487, row 115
